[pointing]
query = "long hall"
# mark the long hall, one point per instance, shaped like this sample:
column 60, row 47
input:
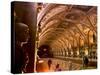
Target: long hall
column 63, row 36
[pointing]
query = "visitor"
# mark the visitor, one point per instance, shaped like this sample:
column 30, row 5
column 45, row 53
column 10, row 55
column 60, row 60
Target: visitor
column 57, row 68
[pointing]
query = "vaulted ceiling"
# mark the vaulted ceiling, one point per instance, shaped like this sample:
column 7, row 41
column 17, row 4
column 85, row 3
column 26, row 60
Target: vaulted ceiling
column 63, row 25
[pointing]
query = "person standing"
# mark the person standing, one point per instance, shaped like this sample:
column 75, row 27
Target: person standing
column 57, row 68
